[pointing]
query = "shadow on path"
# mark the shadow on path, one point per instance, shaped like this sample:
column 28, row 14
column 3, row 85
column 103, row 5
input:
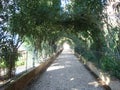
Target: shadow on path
column 66, row 73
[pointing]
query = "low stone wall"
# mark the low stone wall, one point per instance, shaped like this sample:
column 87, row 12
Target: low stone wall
column 22, row 81
column 113, row 83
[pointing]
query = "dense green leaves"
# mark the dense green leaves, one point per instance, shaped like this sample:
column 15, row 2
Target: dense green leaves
column 42, row 23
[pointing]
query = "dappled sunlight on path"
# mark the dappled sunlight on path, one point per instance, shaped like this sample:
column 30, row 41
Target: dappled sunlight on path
column 66, row 73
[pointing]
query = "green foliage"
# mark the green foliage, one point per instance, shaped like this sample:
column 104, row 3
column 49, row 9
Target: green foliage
column 111, row 65
column 108, row 63
column 42, row 23
column 2, row 64
column 19, row 63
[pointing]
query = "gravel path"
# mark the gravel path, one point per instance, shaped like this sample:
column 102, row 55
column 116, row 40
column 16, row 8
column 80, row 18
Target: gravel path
column 66, row 73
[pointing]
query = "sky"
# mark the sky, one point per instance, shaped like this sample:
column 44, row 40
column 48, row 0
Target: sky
column 64, row 2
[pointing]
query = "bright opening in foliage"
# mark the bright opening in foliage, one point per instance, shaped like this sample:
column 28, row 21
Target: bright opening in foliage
column 66, row 46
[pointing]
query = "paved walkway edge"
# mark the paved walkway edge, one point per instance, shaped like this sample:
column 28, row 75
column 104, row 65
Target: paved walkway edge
column 113, row 84
column 22, row 81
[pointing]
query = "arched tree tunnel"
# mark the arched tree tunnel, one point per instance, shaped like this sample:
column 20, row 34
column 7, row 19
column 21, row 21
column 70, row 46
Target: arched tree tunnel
column 44, row 25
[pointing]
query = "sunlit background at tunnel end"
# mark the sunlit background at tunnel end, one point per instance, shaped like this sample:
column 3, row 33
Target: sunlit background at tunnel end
column 67, row 48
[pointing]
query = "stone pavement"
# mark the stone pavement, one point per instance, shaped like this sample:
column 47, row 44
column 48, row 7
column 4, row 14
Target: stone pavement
column 66, row 73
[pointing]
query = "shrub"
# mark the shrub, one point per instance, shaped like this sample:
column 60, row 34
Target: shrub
column 20, row 63
column 111, row 65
